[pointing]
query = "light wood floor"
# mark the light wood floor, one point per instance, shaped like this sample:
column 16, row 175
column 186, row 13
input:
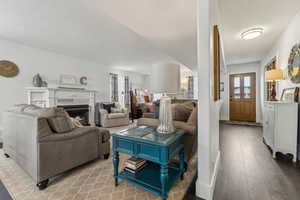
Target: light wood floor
column 248, row 171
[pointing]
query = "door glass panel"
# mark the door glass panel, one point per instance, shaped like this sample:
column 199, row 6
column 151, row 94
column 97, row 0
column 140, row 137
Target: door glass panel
column 247, row 87
column 237, row 88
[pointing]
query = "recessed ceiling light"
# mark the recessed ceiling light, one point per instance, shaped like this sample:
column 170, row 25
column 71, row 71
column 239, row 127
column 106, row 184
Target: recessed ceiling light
column 252, row 33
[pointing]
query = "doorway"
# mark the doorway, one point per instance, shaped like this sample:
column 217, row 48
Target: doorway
column 242, row 97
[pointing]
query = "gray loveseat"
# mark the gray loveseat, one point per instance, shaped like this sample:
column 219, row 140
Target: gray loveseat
column 30, row 137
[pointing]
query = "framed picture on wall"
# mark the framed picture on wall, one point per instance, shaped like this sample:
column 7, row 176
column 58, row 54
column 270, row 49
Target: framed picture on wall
column 216, row 70
column 69, row 81
column 290, row 95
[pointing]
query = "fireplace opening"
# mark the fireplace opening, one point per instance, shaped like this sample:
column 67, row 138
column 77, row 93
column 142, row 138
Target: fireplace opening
column 79, row 112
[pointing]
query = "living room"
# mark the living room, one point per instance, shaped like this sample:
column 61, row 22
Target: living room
column 53, row 58
column 149, row 100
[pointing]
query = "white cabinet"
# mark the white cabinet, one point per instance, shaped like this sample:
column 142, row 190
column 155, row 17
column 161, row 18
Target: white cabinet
column 280, row 127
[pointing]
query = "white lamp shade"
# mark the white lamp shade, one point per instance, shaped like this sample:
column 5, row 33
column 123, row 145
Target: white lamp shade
column 165, row 78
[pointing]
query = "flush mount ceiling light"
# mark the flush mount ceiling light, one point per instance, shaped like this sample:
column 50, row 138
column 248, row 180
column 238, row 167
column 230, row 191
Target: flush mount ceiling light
column 252, row 33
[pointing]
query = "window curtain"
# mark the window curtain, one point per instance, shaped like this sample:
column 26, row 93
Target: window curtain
column 190, row 87
column 114, row 87
column 126, row 91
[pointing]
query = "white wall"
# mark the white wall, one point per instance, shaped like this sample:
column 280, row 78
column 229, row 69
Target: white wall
column 238, row 69
column 281, row 49
column 50, row 65
column 209, row 110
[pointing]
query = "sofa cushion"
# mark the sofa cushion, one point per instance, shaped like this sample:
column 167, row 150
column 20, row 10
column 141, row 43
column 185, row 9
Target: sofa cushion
column 180, row 112
column 117, row 110
column 193, row 119
column 108, row 106
column 116, row 115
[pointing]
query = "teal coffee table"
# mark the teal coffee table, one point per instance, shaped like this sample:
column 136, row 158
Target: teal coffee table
column 158, row 149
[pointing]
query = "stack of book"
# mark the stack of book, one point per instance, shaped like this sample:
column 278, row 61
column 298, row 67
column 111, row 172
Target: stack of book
column 133, row 164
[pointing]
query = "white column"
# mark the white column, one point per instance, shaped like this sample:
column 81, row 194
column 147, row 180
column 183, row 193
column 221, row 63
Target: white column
column 209, row 110
column 204, row 66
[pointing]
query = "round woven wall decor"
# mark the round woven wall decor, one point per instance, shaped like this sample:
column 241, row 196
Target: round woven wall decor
column 8, row 68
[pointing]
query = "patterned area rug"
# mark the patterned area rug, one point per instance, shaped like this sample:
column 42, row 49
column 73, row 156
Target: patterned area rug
column 92, row 181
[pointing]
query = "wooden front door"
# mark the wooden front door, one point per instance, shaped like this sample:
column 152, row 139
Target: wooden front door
column 243, row 97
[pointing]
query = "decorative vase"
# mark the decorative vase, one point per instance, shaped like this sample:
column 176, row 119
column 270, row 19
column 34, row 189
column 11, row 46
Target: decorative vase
column 37, row 81
column 165, row 116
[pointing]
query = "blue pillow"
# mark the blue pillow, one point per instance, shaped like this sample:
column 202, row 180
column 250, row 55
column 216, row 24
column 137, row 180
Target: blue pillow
column 108, row 107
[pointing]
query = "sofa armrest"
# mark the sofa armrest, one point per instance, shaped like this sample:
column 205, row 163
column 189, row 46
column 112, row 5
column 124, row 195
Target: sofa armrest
column 20, row 138
column 103, row 113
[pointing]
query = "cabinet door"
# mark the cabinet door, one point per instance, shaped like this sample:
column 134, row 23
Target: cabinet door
column 266, row 125
column 286, row 128
column 271, row 126
column 268, row 128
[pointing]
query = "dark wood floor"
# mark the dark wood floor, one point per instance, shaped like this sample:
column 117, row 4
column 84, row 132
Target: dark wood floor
column 4, row 195
column 248, row 171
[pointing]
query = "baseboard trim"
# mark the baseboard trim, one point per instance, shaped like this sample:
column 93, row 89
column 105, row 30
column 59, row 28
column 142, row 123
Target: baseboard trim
column 206, row 191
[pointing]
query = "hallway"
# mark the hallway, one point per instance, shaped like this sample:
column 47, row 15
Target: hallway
column 248, row 171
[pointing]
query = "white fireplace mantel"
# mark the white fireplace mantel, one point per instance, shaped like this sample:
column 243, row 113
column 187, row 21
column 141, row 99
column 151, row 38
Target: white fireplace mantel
column 52, row 97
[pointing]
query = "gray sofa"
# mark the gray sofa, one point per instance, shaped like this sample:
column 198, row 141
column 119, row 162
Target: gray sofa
column 29, row 139
column 107, row 120
column 184, row 117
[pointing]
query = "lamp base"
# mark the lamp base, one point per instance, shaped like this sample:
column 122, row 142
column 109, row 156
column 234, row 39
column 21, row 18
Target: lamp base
column 165, row 116
column 273, row 92
column 273, row 99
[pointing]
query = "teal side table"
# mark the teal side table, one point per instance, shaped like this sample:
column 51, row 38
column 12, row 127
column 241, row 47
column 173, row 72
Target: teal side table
column 144, row 142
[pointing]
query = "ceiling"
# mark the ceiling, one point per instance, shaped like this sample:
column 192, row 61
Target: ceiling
column 169, row 25
column 129, row 35
column 239, row 15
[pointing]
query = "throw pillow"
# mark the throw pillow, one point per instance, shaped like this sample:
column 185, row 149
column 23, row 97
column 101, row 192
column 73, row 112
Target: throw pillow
column 117, row 110
column 60, row 124
column 151, row 107
column 108, row 107
column 180, row 112
column 118, row 105
column 190, row 104
column 193, row 119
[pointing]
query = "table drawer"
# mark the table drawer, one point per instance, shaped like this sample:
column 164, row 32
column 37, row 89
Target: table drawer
column 125, row 146
column 148, row 152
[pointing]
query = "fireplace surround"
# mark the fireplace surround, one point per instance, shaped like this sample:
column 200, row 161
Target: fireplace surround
column 80, row 101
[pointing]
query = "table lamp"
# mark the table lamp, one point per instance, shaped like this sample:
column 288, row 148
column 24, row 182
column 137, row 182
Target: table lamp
column 165, row 79
column 273, row 76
